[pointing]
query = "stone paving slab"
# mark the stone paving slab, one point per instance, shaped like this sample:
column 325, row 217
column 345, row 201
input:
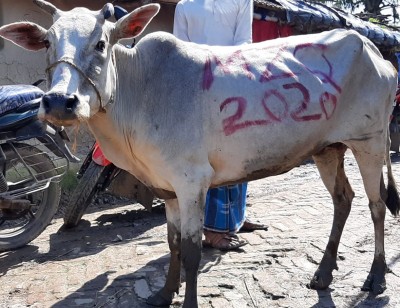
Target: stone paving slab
column 118, row 256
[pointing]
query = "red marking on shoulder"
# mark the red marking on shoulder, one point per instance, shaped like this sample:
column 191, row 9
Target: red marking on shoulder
column 208, row 77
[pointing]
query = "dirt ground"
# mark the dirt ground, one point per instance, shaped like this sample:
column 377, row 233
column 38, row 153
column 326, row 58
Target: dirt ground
column 119, row 254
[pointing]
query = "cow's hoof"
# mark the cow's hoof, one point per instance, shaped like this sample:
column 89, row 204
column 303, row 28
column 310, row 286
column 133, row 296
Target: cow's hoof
column 160, row 299
column 374, row 284
column 321, row 280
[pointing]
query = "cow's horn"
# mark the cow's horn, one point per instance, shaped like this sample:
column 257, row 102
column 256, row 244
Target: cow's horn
column 108, row 10
column 46, row 6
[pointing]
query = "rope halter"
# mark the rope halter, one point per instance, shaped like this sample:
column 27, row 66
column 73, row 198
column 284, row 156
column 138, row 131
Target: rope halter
column 87, row 78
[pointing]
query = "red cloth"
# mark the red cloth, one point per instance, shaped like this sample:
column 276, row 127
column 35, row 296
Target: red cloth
column 268, row 30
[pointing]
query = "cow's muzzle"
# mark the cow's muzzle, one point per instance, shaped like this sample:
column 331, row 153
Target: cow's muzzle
column 60, row 107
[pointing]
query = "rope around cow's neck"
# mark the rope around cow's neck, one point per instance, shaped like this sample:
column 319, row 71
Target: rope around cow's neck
column 88, row 79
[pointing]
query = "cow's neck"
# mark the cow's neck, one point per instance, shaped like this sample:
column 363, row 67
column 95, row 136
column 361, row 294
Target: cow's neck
column 112, row 143
column 130, row 65
column 104, row 130
column 105, row 125
column 114, row 129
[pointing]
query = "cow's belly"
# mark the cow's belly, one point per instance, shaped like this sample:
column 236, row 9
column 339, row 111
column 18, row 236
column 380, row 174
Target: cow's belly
column 261, row 164
column 258, row 152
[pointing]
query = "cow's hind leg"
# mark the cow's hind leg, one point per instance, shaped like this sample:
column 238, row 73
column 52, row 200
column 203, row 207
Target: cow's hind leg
column 330, row 165
column 370, row 158
column 164, row 297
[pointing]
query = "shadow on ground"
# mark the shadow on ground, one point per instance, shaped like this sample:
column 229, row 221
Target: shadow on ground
column 67, row 244
column 120, row 292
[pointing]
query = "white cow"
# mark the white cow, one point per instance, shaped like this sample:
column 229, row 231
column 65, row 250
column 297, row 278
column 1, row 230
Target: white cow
column 183, row 117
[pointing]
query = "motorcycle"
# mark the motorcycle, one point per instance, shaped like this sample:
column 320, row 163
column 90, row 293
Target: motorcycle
column 33, row 158
column 97, row 174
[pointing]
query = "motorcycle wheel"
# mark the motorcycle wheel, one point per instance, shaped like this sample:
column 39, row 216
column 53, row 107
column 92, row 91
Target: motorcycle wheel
column 19, row 227
column 83, row 194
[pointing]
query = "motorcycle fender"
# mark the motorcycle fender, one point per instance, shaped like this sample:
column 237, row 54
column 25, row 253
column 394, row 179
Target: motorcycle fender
column 98, row 156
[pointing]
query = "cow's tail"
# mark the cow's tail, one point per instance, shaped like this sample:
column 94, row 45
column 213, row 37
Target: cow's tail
column 392, row 195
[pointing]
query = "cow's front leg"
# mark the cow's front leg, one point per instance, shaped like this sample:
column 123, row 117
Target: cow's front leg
column 164, row 297
column 192, row 219
column 330, row 166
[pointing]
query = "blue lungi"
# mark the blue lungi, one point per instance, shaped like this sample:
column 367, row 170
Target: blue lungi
column 225, row 208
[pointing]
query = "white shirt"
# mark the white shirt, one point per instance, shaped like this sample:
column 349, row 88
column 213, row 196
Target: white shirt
column 214, row 22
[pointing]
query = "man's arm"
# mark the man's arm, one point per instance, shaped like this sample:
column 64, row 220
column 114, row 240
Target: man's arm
column 243, row 32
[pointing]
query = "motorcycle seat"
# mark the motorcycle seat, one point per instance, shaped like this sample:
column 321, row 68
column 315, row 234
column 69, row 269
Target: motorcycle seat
column 13, row 97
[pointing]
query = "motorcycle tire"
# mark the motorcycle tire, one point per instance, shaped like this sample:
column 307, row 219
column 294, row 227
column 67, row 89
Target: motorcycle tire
column 44, row 203
column 83, row 194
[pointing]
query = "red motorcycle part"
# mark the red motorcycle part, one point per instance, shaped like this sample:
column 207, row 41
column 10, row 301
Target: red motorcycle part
column 98, row 156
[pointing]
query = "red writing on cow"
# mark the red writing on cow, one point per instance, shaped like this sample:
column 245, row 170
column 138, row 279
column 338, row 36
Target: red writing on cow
column 273, row 71
column 276, row 109
column 325, row 77
column 275, row 101
column 233, row 62
column 233, row 123
column 300, row 113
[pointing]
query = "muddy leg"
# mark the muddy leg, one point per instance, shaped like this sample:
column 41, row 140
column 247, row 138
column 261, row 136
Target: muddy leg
column 164, row 297
column 192, row 230
column 330, row 166
column 376, row 281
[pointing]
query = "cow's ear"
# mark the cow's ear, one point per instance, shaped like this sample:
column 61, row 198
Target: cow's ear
column 25, row 34
column 134, row 23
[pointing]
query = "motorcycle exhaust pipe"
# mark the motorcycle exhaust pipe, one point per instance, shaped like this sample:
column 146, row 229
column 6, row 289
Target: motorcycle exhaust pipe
column 3, row 181
column 15, row 204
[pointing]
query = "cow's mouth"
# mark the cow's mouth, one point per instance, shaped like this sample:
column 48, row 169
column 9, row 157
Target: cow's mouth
column 58, row 121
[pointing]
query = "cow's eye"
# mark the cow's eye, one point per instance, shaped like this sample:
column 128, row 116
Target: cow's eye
column 100, row 46
column 46, row 44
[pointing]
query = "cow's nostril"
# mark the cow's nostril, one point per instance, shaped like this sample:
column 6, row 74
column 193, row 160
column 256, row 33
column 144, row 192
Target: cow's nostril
column 71, row 103
column 60, row 105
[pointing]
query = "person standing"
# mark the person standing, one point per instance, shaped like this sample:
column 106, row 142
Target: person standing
column 222, row 23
